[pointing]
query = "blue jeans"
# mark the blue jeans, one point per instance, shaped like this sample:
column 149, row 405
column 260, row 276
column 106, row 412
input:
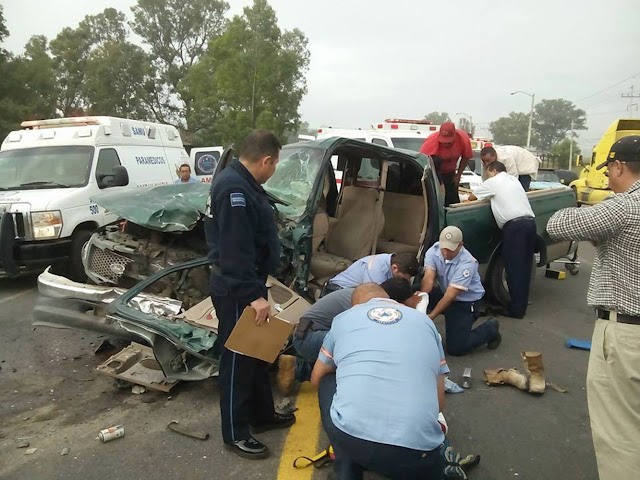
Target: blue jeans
column 354, row 455
column 308, row 349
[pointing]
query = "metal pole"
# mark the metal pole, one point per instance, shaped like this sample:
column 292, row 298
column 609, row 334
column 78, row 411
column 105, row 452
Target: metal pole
column 530, row 121
column 571, row 147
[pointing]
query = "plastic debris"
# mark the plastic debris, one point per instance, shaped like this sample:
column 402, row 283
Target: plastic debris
column 65, row 451
column 30, row 451
column 579, row 344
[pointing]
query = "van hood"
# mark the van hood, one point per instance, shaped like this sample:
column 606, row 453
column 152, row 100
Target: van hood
column 37, row 199
column 166, row 208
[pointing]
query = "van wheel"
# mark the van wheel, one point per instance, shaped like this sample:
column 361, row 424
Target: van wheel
column 76, row 269
column 498, row 282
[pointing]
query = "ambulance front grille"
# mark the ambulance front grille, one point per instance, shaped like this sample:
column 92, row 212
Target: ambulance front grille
column 107, row 264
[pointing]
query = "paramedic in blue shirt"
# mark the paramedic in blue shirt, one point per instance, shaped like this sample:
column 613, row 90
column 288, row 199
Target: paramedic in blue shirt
column 380, row 378
column 460, row 289
column 244, row 248
column 184, row 175
column 374, row 269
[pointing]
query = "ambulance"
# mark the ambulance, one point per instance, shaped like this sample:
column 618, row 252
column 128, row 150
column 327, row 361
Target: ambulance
column 51, row 169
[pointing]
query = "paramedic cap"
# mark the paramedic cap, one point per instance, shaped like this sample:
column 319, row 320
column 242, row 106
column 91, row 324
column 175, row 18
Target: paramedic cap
column 450, row 238
column 447, row 132
column 627, row 149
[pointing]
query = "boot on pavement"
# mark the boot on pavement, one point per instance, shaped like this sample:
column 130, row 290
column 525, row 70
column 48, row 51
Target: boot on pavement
column 286, row 377
column 502, row 376
column 533, row 365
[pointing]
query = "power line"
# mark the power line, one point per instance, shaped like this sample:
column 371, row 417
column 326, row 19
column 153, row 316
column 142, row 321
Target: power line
column 608, row 88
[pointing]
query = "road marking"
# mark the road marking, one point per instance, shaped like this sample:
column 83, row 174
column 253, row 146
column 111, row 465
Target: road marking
column 12, row 297
column 303, row 436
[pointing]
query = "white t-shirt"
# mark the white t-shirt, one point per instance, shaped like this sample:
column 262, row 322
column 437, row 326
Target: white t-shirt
column 518, row 160
column 508, row 198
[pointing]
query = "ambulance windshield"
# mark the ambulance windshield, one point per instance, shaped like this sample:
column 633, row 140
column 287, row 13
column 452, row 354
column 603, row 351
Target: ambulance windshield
column 294, row 178
column 45, row 167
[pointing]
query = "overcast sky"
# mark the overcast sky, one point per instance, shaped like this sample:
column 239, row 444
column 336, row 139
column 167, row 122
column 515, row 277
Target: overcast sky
column 373, row 59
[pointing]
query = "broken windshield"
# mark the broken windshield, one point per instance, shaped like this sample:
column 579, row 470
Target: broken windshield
column 293, row 180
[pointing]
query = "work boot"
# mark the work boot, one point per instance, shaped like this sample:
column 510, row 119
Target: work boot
column 533, row 366
column 280, row 420
column 249, row 448
column 286, row 374
column 502, row 376
column 497, row 338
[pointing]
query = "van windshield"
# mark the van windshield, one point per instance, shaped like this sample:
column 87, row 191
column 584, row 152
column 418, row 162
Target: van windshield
column 45, row 167
column 294, row 178
column 408, row 143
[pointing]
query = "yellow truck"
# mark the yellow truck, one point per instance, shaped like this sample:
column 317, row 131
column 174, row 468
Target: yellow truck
column 592, row 186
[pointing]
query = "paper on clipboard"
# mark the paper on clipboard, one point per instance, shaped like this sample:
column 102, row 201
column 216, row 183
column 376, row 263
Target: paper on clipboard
column 264, row 342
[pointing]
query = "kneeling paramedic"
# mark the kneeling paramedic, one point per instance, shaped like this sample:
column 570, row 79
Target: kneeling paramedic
column 460, row 291
column 244, row 249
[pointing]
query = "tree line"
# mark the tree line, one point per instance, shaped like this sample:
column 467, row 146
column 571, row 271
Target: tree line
column 181, row 63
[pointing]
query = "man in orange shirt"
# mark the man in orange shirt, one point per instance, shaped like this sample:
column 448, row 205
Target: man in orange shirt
column 446, row 147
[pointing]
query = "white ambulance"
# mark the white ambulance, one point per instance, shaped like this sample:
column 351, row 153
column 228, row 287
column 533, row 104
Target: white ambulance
column 392, row 132
column 50, row 170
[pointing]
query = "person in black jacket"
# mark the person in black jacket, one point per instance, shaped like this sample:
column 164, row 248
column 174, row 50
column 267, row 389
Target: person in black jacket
column 244, row 249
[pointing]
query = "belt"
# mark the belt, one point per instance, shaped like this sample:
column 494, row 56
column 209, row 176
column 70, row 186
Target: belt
column 519, row 219
column 614, row 316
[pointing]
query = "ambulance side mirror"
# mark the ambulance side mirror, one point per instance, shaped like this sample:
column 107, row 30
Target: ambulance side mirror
column 119, row 177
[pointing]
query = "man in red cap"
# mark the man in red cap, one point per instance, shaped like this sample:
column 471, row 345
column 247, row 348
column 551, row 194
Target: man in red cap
column 446, row 147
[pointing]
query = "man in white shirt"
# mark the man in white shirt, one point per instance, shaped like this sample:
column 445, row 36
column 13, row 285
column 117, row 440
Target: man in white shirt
column 184, row 174
column 520, row 162
column 514, row 216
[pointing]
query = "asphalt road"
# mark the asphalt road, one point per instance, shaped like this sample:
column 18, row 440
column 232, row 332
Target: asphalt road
column 52, row 397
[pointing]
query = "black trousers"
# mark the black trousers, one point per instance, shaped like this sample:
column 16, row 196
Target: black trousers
column 459, row 318
column 518, row 245
column 525, row 181
column 354, row 455
column 245, row 390
column 450, row 188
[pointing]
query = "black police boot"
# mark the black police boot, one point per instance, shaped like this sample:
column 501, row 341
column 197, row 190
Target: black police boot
column 280, row 420
column 249, row 448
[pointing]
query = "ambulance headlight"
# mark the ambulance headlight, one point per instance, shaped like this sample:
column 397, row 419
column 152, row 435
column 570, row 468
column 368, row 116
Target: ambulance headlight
column 46, row 225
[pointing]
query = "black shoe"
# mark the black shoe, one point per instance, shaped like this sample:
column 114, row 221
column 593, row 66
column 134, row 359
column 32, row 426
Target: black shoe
column 497, row 339
column 249, row 448
column 280, row 420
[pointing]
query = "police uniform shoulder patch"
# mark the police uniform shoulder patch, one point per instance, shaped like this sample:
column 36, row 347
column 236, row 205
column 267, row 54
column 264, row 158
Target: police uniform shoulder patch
column 385, row 315
column 466, row 273
column 238, row 200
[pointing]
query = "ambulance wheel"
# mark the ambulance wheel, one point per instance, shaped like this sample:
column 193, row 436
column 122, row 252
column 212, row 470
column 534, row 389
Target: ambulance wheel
column 76, row 269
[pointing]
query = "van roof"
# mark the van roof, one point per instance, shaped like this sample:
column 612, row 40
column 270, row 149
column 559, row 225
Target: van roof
column 92, row 130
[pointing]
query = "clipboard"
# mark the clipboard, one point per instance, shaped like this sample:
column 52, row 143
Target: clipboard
column 263, row 342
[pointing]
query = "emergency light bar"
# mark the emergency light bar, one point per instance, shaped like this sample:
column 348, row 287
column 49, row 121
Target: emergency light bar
column 404, row 120
column 60, row 122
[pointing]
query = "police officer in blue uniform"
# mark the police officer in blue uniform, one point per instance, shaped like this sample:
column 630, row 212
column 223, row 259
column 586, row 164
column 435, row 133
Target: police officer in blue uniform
column 460, row 289
column 244, row 249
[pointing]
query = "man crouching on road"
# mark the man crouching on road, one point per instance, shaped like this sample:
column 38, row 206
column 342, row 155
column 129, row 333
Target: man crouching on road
column 380, row 388
column 244, row 249
column 460, row 290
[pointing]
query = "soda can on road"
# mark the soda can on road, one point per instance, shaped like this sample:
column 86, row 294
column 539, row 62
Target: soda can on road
column 111, row 433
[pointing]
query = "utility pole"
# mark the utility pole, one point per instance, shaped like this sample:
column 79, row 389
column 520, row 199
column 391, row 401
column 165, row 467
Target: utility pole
column 631, row 96
column 571, row 146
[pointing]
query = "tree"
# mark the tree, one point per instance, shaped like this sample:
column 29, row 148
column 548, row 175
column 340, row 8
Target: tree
column 4, row 33
column 511, row 130
column 252, row 76
column 177, row 34
column 467, row 126
column 438, row 118
column 118, row 78
column 552, row 121
column 561, row 151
